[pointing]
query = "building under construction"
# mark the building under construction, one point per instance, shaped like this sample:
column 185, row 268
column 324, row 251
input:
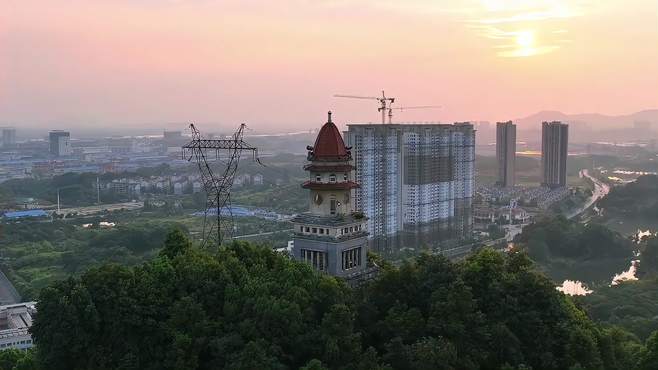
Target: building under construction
column 417, row 183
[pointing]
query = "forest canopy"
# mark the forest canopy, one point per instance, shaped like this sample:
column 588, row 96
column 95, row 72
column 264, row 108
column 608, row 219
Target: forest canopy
column 247, row 307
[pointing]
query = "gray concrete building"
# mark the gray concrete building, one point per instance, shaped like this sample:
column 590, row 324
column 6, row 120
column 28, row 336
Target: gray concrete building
column 506, row 153
column 416, row 183
column 8, row 137
column 554, row 149
column 332, row 237
column 60, row 143
column 15, row 323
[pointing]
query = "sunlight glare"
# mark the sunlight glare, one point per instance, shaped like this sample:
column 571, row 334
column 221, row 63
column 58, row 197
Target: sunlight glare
column 525, row 39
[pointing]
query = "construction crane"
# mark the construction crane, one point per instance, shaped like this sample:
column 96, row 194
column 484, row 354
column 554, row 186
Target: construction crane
column 217, row 187
column 386, row 105
column 384, row 101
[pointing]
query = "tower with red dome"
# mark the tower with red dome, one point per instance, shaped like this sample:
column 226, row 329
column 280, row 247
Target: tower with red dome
column 332, row 235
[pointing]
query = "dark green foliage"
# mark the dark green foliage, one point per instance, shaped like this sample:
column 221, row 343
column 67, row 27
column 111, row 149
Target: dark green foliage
column 246, row 307
column 37, row 254
column 649, row 258
column 15, row 359
column 557, row 237
column 486, row 312
column 632, row 305
column 175, row 244
column 638, row 198
column 649, row 356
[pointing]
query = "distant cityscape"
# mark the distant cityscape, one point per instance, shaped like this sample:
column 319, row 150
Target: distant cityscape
column 388, row 188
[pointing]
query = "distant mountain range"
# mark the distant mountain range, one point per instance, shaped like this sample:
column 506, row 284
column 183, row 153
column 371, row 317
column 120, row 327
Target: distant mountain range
column 593, row 121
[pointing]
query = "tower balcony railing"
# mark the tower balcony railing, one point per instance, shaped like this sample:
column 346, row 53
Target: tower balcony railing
column 338, row 185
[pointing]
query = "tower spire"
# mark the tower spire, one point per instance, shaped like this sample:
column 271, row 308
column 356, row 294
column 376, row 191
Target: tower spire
column 329, row 117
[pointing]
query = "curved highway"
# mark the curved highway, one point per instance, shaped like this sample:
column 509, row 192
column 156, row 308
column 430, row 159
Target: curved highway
column 600, row 190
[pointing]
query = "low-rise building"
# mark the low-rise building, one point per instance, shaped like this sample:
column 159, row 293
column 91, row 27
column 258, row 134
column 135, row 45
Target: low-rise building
column 15, row 322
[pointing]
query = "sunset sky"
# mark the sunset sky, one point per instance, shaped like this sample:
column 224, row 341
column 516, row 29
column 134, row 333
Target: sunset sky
column 276, row 64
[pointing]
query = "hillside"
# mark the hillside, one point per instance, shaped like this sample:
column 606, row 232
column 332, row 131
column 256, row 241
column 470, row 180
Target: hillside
column 593, row 120
column 246, row 307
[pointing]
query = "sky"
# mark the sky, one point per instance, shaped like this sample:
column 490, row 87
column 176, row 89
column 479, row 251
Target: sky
column 277, row 64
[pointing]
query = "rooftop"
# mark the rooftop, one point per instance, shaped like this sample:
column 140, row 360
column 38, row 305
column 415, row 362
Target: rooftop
column 338, row 220
column 329, row 145
column 15, row 317
column 26, row 214
column 411, row 126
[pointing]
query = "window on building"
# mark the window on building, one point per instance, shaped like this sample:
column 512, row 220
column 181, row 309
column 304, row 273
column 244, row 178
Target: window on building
column 351, row 258
column 332, row 206
column 321, row 231
column 332, row 177
column 318, row 178
column 345, row 177
column 308, row 229
column 317, row 259
column 315, row 230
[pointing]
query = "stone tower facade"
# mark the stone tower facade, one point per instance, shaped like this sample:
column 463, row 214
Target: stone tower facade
column 332, row 236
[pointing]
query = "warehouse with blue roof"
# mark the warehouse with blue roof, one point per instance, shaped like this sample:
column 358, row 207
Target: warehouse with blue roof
column 32, row 213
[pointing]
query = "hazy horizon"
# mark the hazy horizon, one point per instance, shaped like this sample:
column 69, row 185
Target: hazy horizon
column 151, row 65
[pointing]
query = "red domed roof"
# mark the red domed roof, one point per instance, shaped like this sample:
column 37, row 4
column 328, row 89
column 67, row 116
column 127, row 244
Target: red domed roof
column 329, row 145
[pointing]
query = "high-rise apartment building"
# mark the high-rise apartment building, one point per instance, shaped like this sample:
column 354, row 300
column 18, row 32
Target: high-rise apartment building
column 60, row 143
column 506, row 153
column 8, row 137
column 172, row 138
column 554, row 146
column 332, row 237
column 416, row 182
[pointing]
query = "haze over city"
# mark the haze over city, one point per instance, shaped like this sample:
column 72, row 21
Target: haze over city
column 328, row 184
column 126, row 65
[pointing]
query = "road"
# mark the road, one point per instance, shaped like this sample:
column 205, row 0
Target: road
column 600, row 190
column 91, row 210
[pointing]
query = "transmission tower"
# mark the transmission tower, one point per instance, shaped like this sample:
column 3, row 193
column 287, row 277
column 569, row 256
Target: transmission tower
column 218, row 218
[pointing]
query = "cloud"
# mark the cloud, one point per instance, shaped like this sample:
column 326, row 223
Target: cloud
column 525, row 28
column 527, row 52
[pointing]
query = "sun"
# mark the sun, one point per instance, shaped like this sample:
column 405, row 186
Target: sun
column 525, row 39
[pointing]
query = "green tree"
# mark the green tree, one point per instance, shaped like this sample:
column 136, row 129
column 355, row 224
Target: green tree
column 649, row 258
column 649, row 357
column 176, row 243
column 245, row 306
